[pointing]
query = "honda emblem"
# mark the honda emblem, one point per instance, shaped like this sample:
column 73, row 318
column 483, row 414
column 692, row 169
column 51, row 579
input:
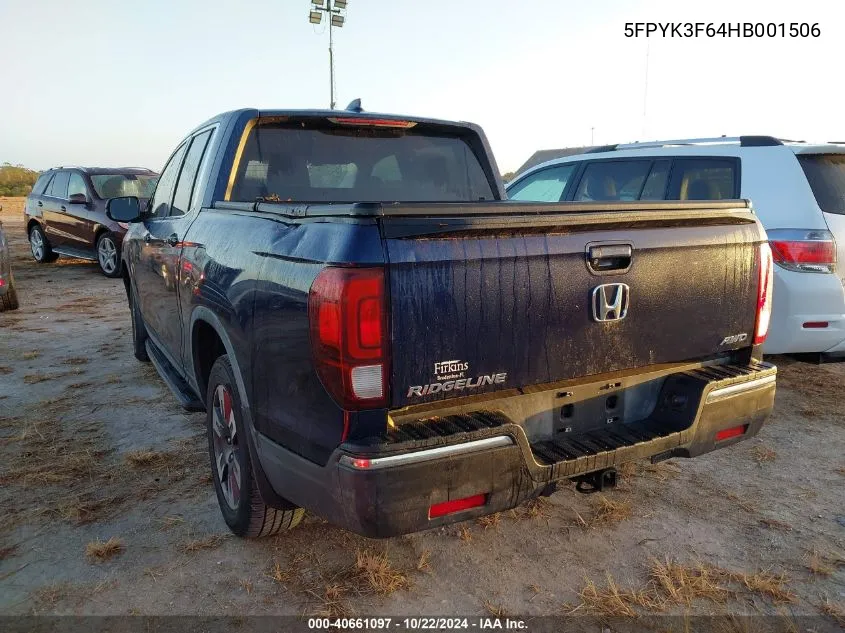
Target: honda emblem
column 610, row 302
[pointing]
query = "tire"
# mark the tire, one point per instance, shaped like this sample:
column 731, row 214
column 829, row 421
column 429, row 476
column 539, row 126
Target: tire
column 9, row 301
column 242, row 507
column 108, row 255
column 139, row 330
column 40, row 247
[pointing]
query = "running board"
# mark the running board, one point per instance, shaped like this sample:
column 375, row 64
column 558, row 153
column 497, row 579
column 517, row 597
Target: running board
column 183, row 392
column 76, row 253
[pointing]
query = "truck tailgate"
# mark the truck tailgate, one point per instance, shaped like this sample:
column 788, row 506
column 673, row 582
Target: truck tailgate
column 485, row 303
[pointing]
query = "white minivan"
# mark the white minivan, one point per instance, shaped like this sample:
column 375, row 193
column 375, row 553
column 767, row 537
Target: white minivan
column 797, row 190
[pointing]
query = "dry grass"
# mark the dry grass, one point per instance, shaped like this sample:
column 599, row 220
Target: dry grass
column 762, row 454
column 768, row 584
column 246, row 585
column 80, row 385
column 374, row 570
column 609, row 512
column 834, row 610
column 212, row 541
column 683, row 584
column 464, row 533
column 611, row 601
column 661, row 471
column 742, row 503
column 76, row 360
column 536, row 508
column 30, row 355
column 823, row 564
column 5, row 370
column 8, row 552
column 774, row 524
column 496, row 610
column 148, row 459
column 31, row 379
column 99, row 551
column 841, row 471
column 490, row 521
column 423, row 564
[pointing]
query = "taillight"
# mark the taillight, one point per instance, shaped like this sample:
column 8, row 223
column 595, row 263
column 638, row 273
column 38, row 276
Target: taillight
column 803, row 251
column 348, row 315
column 371, row 122
column 764, row 294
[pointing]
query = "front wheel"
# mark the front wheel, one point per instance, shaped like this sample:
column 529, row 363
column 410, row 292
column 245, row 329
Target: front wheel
column 240, row 501
column 108, row 255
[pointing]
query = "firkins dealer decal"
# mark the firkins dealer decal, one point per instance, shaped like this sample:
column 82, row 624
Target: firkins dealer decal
column 451, row 376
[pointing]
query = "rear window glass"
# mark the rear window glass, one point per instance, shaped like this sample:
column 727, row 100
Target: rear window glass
column 318, row 161
column 119, row 185
column 704, row 179
column 613, row 180
column 826, row 175
column 41, row 184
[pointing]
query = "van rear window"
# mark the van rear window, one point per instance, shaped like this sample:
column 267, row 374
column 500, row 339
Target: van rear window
column 320, row 161
column 826, row 175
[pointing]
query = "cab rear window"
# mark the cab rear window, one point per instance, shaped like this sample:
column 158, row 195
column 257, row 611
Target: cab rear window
column 322, row 161
column 826, row 175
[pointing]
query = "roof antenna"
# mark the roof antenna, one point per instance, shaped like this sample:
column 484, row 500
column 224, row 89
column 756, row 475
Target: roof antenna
column 355, row 106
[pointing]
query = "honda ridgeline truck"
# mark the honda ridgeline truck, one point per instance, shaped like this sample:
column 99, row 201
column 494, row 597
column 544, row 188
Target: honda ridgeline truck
column 378, row 336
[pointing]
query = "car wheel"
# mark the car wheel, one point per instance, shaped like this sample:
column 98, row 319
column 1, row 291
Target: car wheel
column 139, row 330
column 42, row 252
column 240, row 501
column 108, row 255
column 9, row 301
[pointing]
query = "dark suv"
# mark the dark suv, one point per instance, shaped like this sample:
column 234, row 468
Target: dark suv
column 66, row 213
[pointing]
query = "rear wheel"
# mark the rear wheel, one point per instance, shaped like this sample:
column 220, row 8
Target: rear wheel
column 42, row 252
column 139, row 330
column 108, row 255
column 240, row 501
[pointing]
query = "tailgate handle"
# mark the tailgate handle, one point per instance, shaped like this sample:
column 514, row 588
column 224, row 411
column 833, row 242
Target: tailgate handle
column 609, row 257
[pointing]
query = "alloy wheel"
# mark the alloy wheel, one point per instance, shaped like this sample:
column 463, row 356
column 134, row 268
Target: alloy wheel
column 107, row 254
column 36, row 244
column 226, row 446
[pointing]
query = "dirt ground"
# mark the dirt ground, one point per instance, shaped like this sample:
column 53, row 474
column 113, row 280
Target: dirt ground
column 93, row 447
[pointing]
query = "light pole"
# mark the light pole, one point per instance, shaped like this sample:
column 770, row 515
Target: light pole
column 336, row 12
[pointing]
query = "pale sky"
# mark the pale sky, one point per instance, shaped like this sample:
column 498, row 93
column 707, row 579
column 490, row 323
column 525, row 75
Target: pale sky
column 110, row 82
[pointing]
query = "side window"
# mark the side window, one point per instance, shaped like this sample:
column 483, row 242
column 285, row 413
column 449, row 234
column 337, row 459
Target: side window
column 41, row 184
column 187, row 178
column 703, row 179
column 546, row 185
column 613, row 180
column 58, row 188
column 655, row 184
column 76, row 185
column 160, row 203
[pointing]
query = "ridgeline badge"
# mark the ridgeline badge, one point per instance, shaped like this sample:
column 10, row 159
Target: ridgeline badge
column 451, row 376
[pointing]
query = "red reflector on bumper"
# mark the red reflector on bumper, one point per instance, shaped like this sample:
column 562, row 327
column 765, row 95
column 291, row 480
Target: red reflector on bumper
column 816, row 324
column 727, row 434
column 449, row 507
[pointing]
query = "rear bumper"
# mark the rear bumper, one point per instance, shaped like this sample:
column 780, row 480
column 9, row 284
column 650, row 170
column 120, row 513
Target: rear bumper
column 382, row 491
column 801, row 298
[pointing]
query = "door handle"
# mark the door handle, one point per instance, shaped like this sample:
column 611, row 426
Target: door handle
column 609, row 257
column 64, row 210
column 147, row 237
column 40, row 204
column 172, row 239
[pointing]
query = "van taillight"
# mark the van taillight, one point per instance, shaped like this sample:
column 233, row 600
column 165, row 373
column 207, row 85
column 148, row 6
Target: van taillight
column 347, row 311
column 764, row 294
column 804, row 251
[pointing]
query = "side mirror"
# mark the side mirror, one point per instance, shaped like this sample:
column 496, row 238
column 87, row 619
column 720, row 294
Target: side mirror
column 78, row 198
column 127, row 209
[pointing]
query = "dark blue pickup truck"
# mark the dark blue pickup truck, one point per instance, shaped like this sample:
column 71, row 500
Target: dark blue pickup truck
column 378, row 336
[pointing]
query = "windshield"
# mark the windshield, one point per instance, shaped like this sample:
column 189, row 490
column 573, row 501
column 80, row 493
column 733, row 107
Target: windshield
column 317, row 161
column 826, row 175
column 119, row 185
